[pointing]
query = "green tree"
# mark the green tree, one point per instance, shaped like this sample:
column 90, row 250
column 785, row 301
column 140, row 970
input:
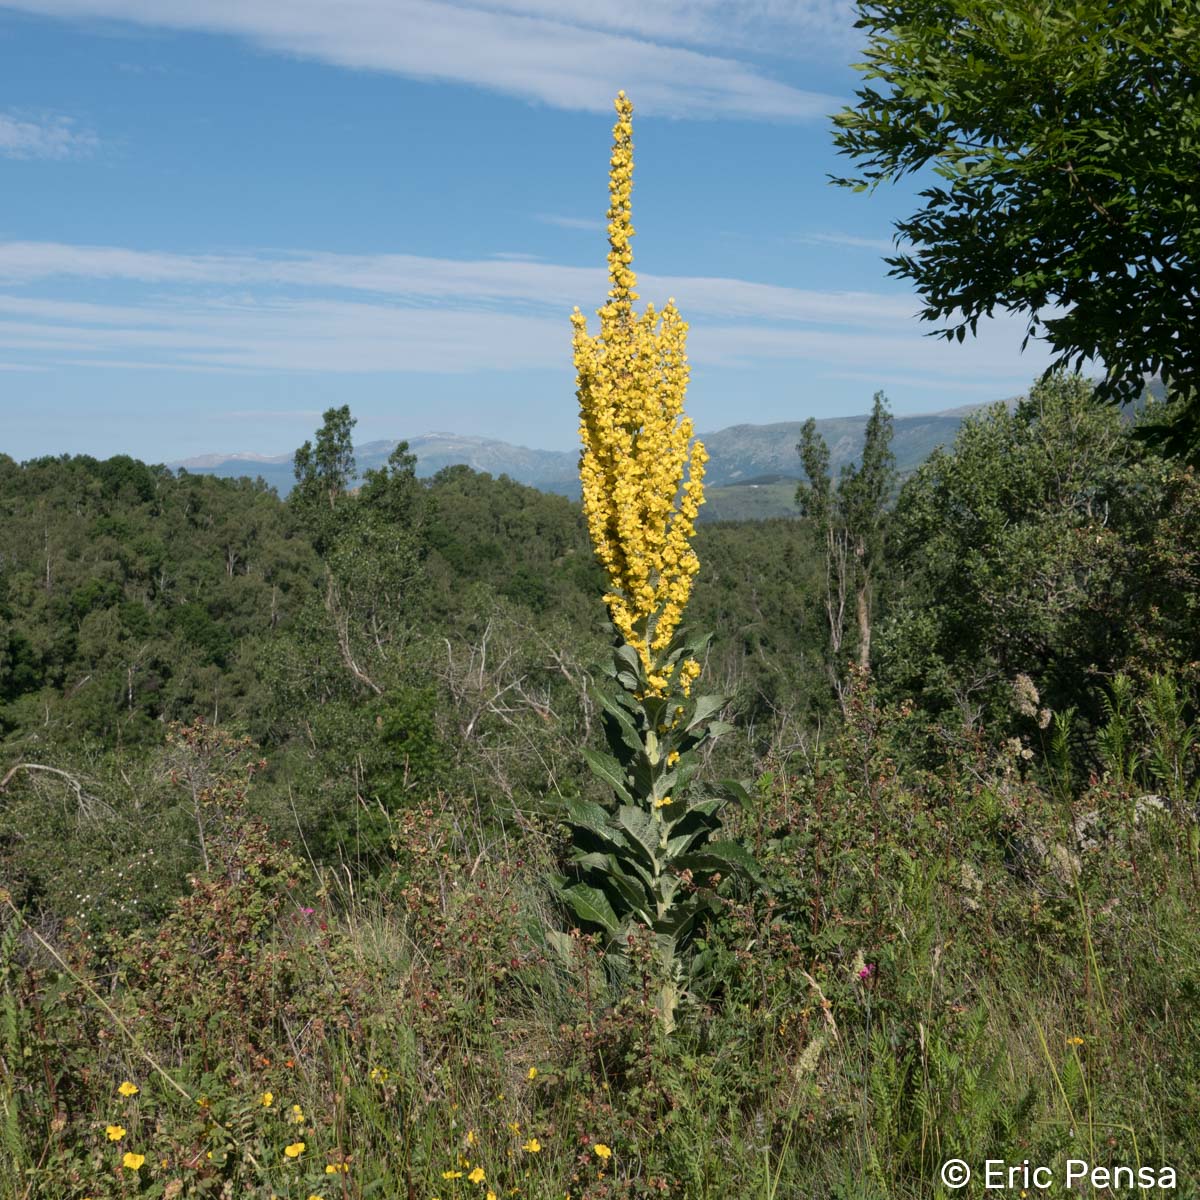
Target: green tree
column 324, row 472
column 1067, row 141
column 1046, row 542
column 851, row 520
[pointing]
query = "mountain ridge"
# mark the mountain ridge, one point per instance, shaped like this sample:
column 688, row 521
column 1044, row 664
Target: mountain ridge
column 751, row 472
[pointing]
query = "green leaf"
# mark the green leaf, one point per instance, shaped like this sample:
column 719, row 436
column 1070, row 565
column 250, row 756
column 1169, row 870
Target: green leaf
column 705, row 707
column 608, row 770
column 641, row 827
column 726, row 857
column 591, row 904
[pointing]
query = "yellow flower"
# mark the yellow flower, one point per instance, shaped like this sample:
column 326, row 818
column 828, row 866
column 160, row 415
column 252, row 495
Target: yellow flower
column 533, row 1145
column 294, row 1150
column 133, row 1162
column 470, row 1137
column 128, row 1089
column 337, row 1168
column 267, row 1099
column 1074, row 1041
column 379, row 1073
column 477, row 1175
column 532, row 1073
column 637, row 444
column 514, row 1127
column 491, row 1196
column 662, row 802
column 451, row 1174
column 672, row 758
column 297, row 1114
column 603, row 1151
column 115, row 1132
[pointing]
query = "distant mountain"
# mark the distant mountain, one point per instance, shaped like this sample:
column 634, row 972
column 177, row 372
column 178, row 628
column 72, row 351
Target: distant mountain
column 752, row 469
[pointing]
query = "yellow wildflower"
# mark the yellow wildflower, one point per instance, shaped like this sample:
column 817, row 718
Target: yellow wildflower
column 267, row 1099
column 532, row 1073
column 662, row 802
column 490, row 1196
column 133, row 1162
column 533, row 1145
column 297, row 1114
column 128, row 1089
column 294, row 1150
column 1074, row 1041
column 514, row 1127
column 451, row 1174
column 672, row 758
column 337, row 1168
column 631, row 380
column 477, row 1175
column 114, row 1132
column 603, row 1151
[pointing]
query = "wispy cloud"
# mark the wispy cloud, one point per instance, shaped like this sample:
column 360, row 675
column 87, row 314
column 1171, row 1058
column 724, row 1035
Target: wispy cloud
column 851, row 240
column 43, row 137
column 417, row 280
column 316, row 312
column 572, row 55
column 590, row 224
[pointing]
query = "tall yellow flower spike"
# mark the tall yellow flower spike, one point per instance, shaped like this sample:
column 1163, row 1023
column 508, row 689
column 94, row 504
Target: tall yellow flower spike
column 631, row 380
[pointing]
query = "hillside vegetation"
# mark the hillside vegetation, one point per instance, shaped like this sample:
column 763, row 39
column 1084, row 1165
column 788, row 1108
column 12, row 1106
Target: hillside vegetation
column 287, row 792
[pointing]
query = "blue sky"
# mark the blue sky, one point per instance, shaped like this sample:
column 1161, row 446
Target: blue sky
column 221, row 217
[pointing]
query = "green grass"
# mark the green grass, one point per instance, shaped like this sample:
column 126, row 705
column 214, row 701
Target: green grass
column 925, row 980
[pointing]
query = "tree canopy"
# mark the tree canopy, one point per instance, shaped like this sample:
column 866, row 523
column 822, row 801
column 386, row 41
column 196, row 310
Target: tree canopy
column 1066, row 138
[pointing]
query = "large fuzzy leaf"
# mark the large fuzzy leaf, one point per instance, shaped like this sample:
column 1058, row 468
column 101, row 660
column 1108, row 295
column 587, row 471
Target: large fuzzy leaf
column 726, row 857
column 591, row 904
column 706, row 706
column 609, row 770
column 640, row 825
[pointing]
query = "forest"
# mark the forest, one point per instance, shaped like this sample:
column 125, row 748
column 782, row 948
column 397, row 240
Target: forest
column 285, row 800
column 444, row 838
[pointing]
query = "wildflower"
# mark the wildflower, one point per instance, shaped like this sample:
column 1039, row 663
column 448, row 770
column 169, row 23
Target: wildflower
column 631, row 381
column 603, row 1151
column 672, row 758
column 267, row 1099
column 867, row 972
column 128, row 1089
column 662, row 802
column 451, row 1174
column 477, row 1175
column 532, row 1073
column 1074, row 1041
column 514, row 1127
column 297, row 1114
column 337, row 1168
column 115, row 1132
column 133, row 1162
column 294, row 1150
column 533, row 1145
column 379, row 1074
column 470, row 1137
column 490, row 1196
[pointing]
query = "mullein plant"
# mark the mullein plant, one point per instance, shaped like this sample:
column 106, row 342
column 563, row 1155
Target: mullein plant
column 649, row 858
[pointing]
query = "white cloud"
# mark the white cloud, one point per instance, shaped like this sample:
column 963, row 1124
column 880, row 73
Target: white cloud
column 44, row 137
column 589, row 224
column 317, row 312
column 566, row 55
column 418, row 280
column 853, row 241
